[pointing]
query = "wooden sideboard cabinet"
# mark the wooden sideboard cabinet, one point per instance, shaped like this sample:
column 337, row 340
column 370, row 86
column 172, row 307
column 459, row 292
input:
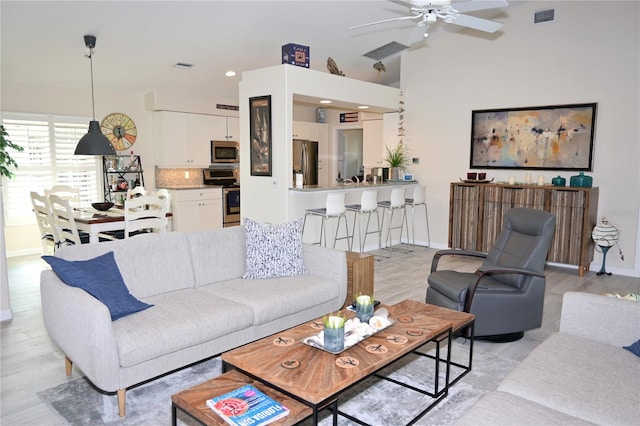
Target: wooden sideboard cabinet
column 476, row 214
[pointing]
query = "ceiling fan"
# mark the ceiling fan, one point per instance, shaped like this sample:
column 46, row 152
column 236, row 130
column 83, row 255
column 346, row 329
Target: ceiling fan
column 428, row 12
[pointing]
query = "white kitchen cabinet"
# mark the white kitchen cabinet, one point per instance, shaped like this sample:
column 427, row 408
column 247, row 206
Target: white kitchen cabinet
column 196, row 209
column 184, row 140
column 306, row 130
column 233, row 129
column 372, row 143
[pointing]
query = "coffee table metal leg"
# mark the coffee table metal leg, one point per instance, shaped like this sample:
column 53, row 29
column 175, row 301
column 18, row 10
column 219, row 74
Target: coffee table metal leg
column 174, row 415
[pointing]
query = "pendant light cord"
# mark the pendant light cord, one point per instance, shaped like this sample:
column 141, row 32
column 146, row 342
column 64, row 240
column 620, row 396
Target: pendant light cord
column 93, row 101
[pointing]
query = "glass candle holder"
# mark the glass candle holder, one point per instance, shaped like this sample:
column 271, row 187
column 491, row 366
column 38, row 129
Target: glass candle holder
column 334, row 338
column 364, row 308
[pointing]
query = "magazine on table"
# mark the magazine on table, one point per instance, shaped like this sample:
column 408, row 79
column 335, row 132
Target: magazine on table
column 247, row 406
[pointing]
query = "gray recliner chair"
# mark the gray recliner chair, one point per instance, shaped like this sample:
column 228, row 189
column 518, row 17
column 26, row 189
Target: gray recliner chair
column 506, row 293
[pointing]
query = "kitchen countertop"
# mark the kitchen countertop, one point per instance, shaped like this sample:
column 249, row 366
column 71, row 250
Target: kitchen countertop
column 361, row 185
column 180, row 187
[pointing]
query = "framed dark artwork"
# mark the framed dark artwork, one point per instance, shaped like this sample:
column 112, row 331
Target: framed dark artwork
column 556, row 137
column 260, row 131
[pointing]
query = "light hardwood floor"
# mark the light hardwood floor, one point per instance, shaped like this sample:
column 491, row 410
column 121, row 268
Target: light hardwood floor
column 31, row 363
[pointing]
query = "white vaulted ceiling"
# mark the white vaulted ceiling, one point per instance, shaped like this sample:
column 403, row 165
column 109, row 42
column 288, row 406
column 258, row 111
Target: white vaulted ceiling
column 139, row 42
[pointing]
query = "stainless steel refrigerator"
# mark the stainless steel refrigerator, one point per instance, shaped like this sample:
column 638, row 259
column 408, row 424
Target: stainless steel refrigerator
column 305, row 160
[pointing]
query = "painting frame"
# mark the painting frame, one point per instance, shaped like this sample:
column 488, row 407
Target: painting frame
column 260, row 135
column 552, row 137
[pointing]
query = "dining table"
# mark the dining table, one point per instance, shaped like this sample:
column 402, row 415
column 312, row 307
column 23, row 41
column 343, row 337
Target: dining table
column 93, row 221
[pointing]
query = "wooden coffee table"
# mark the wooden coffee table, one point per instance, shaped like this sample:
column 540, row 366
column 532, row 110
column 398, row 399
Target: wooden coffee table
column 316, row 378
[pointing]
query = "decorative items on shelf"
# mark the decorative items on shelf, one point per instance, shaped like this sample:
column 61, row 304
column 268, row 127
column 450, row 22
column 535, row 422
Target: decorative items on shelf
column 581, row 181
column 558, row 181
column 605, row 236
column 397, row 159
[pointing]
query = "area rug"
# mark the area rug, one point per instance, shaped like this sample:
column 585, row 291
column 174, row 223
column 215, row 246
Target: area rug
column 375, row 401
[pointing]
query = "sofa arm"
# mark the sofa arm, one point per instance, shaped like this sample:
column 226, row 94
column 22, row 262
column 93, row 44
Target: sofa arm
column 81, row 326
column 328, row 263
column 606, row 319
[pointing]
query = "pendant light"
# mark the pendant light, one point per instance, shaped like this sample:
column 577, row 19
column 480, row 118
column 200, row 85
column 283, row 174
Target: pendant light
column 94, row 142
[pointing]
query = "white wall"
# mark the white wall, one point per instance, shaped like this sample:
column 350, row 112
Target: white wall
column 266, row 199
column 590, row 54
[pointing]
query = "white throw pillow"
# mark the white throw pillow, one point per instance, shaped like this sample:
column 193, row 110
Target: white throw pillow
column 274, row 250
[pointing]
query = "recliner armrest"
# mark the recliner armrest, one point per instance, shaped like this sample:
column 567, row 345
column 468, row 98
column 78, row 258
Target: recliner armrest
column 490, row 270
column 454, row 252
column 484, row 271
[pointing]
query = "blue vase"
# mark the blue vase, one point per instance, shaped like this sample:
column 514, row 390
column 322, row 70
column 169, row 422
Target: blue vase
column 558, row 181
column 581, row 181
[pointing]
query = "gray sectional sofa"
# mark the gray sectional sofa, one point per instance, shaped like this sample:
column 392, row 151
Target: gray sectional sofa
column 580, row 375
column 202, row 305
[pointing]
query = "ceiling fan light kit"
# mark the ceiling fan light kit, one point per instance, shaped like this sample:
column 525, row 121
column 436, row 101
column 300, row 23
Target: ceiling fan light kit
column 427, row 13
column 94, row 142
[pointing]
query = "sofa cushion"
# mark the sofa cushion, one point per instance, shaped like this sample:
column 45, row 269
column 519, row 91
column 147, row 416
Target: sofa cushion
column 218, row 255
column 274, row 250
column 274, row 298
column 100, row 277
column 500, row 408
column 581, row 377
column 150, row 264
column 179, row 320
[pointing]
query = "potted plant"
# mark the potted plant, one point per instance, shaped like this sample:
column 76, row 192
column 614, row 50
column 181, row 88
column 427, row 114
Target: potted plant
column 5, row 159
column 397, row 159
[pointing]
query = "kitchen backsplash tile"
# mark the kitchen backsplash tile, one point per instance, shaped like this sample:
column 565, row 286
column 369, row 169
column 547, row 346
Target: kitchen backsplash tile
column 170, row 177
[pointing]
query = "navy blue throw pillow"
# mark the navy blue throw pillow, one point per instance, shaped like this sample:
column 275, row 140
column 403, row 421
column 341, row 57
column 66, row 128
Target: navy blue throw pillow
column 101, row 278
column 634, row 348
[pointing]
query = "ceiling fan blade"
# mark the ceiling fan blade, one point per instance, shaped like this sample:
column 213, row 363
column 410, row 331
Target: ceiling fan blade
column 470, row 6
column 403, row 3
column 403, row 18
column 477, row 23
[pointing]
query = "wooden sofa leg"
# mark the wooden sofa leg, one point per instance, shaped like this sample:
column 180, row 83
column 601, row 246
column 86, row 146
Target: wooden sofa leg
column 122, row 401
column 68, row 365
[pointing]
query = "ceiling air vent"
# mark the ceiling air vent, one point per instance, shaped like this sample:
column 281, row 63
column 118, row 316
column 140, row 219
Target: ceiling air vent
column 544, row 16
column 386, row 50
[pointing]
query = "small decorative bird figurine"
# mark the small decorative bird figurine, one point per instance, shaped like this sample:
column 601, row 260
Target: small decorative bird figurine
column 333, row 67
column 379, row 66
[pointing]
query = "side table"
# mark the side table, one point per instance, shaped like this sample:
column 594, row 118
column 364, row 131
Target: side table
column 359, row 275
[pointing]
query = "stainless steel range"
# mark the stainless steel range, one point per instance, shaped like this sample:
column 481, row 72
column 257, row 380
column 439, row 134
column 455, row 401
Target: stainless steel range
column 228, row 178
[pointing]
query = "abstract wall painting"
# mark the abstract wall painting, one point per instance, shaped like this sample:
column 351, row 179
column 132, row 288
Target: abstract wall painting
column 556, row 137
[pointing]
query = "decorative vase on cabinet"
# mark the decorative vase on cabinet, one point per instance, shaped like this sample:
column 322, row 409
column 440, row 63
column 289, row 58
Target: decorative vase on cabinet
column 581, row 181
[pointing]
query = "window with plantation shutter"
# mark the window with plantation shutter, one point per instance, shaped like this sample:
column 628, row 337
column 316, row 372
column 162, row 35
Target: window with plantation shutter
column 47, row 160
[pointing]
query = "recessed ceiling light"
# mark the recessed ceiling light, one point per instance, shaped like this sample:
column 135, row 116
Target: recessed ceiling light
column 183, row 66
column 363, row 107
column 325, row 101
column 230, row 73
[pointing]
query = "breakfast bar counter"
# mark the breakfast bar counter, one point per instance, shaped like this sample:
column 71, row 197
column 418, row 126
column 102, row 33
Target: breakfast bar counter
column 315, row 196
column 339, row 186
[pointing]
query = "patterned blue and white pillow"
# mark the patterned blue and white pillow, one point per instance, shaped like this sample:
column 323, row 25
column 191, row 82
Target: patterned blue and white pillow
column 274, row 250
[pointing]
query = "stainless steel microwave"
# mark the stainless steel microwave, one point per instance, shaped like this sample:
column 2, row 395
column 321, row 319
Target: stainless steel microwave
column 224, row 152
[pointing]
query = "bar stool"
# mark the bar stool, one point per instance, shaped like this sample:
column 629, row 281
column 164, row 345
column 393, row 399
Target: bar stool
column 334, row 208
column 419, row 199
column 368, row 205
column 395, row 204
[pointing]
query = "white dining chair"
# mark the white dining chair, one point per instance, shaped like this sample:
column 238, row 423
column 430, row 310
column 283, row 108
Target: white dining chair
column 138, row 191
column 65, row 223
column 65, row 192
column 44, row 218
column 144, row 214
column 165, row 195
